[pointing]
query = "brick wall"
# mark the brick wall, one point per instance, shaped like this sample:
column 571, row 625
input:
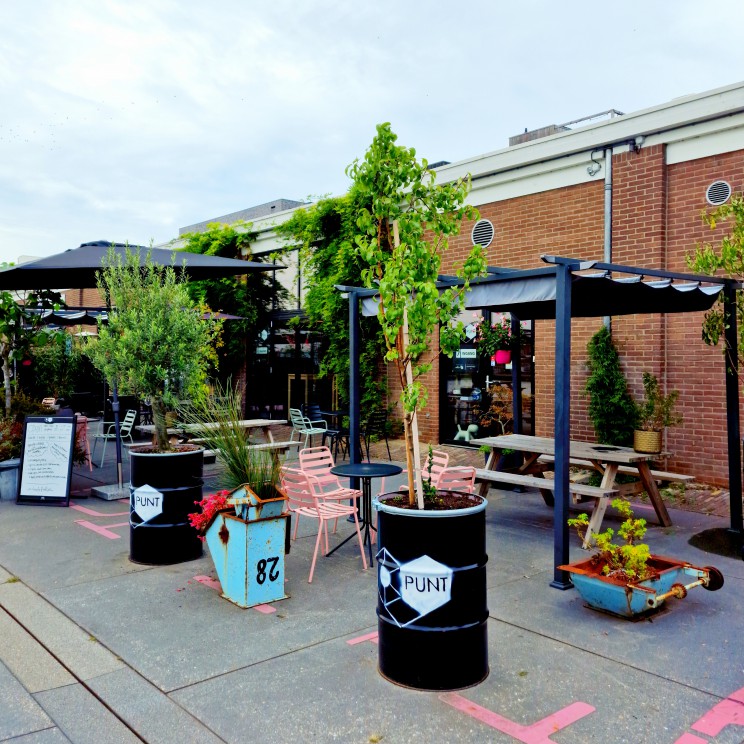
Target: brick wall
column 656, row 222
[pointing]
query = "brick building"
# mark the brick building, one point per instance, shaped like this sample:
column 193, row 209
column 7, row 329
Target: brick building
column 625, row 188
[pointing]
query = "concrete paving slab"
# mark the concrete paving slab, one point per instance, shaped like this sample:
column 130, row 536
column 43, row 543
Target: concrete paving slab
column 73, row 646
column 4, row 575
column 338, row 602
column 19, row 712
column 34, row 667
column 338, row 695
column 48, row 736
column 151, row 713
column 83, row 718
column 71, row 553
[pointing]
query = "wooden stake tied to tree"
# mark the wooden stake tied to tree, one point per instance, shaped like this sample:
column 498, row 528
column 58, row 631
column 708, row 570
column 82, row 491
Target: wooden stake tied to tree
column 402, row 237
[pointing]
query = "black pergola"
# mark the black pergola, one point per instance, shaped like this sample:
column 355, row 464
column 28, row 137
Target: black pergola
column 569, row 288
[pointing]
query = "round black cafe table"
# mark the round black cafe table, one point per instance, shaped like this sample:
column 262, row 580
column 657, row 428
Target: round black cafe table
column 365, row 471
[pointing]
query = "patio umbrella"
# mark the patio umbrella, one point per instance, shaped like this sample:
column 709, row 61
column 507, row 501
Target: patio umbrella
column 78, row 268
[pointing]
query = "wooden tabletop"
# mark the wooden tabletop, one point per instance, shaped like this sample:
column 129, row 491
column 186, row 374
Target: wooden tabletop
column 244, row 424
column 582, row 450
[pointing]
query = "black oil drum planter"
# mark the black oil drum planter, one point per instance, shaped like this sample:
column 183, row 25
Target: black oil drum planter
column 432, row 607
column 164, row 487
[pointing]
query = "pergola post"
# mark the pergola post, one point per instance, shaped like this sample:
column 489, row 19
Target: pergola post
column 516, row 350
column 731, row 338
column 354, row 386
column 562, row 428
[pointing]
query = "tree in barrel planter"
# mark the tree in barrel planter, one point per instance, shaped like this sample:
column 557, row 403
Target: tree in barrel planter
column 156, row 344
column 432, row 608
column 402, row 236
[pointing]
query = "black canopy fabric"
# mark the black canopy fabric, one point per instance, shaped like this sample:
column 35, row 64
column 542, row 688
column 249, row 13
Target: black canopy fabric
column 531, row 295
column 78, row 267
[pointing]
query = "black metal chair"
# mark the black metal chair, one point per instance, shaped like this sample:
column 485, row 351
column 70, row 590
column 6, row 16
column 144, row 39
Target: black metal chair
column 376, row 426
column 331, row 437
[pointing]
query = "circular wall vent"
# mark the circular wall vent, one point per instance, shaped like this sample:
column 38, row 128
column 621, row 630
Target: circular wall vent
column 482, row 234
column 718, row 193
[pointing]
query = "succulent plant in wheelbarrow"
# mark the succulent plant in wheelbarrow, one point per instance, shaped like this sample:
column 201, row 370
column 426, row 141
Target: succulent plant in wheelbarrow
column 623, row 577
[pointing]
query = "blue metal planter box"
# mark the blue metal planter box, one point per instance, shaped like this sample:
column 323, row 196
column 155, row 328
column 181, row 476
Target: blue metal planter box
column 671, row 579
column 249, row 505
column 249, row 557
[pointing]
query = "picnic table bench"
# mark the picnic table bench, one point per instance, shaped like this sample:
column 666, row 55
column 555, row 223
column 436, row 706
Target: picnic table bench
column 606, row 459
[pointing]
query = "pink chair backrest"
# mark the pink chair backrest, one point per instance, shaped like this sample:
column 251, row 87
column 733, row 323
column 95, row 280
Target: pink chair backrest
column 299, row 492
column 457, row 479
column 317, row 462
column 439, row 462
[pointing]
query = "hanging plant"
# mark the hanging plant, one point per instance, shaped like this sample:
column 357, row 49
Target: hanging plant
column 494, row 337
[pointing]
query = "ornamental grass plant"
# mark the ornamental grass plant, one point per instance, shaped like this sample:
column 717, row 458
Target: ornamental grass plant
column 222, row 411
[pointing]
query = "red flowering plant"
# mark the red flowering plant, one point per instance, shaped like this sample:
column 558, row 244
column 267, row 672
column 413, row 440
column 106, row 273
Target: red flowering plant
column 210, row 506
column 493, row 337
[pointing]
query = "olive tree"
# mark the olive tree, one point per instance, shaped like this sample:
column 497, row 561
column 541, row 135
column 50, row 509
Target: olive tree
column 156, row 343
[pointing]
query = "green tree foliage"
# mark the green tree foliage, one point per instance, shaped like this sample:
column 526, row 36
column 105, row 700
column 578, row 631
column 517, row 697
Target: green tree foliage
column 249, row 296
column 611, row 408
column 21, row 331
column 728, row 259
column 401, row 236
column 325, row 233
column 155, row 344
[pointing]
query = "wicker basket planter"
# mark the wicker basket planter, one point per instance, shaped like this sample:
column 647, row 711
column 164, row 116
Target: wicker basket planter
column 648, row 442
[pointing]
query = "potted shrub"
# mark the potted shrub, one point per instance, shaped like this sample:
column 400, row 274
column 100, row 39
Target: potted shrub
column 655, row 412
column 623, row 577
column 156, row 345
column 432, row 554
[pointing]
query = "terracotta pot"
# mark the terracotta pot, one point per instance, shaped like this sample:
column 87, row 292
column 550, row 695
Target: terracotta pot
column 648, row 442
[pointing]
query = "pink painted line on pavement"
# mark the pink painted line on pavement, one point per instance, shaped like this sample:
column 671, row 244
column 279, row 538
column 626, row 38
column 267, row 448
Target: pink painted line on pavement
column 728, row 711
column 94, row 513
column 691, row 739
column 369, row 637
column 536, row 733
column 101, row 529
column 214, row 584
column 264, row 608
column 211, row 583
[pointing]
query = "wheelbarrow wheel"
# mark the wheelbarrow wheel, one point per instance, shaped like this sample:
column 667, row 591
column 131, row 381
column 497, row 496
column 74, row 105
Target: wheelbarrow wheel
column 715, row 579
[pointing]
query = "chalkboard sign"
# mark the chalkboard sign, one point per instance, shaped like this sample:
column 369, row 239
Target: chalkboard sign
column 46, row 460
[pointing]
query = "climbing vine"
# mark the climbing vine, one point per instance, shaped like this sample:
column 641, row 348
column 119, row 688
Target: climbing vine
column 324, row 233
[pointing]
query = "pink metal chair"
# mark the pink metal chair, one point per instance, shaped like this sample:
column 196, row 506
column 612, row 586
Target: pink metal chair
column 81, row 437
column 457, row 479
column 305, row 501
column 316, row 463
column 439, row 461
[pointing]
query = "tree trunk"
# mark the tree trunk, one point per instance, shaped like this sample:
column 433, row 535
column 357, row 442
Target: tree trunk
column 6, row 383
column 158, row 419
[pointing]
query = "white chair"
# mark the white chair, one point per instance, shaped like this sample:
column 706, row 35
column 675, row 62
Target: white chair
column 108, row 433
column 304, row 500
column 304, row 427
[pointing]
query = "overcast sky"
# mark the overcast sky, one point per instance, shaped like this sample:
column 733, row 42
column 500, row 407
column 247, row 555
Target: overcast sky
column 127, row 120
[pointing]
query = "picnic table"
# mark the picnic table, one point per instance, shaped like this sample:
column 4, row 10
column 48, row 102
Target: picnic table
column 263, row 425
column 608, row 460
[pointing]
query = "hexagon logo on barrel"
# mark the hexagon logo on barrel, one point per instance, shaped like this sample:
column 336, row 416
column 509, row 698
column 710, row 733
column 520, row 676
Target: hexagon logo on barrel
column 147, row 502
column 425, row 584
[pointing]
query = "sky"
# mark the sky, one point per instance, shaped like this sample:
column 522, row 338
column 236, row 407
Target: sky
column 127, row 120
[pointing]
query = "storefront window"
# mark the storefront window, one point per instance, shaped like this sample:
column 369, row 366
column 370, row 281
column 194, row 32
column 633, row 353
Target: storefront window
column 476, row 387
